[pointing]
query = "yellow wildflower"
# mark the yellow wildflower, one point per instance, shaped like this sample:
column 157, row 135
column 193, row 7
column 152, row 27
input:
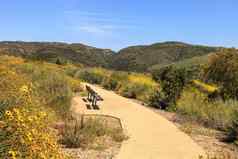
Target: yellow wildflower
column 42, row 114
column 29, row 136
column 12, row 154
column 9, row 115
column 30, row 119
column 24, row 89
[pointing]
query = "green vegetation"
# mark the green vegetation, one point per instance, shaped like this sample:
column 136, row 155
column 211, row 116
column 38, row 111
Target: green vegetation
column 223, row 70
column 142, row 58
column 59, row 53
column 76, row 135
column 216, row 114
column 134, row 58
column 198, row 82
column 33, row 96
column 131, row 85
column 172, row 80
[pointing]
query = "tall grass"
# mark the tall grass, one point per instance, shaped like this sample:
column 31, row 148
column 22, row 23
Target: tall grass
column 218, row 114
column 131, row 85
column 91, row 75
column 50, row 85
column 31, row 94
column 76, row 135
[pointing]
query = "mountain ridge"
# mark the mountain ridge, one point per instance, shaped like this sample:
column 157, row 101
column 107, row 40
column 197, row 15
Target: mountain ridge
column 137, row 58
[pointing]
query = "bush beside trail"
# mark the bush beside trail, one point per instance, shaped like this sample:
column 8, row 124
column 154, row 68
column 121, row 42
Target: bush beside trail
column 131, row 85
column 33, row 96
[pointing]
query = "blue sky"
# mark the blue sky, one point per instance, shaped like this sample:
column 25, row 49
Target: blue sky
column 117, row 24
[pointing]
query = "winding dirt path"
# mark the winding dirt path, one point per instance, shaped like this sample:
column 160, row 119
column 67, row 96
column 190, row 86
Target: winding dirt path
column 150, row 135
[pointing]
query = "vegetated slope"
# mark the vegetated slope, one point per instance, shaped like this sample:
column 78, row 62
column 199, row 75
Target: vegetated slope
column 51, row 51
column 134, row 58
column 140, row 58
column 196, row 61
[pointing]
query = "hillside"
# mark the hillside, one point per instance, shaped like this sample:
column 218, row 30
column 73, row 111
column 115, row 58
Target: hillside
column 51, row 51
column 141, row 58
column 134, row 58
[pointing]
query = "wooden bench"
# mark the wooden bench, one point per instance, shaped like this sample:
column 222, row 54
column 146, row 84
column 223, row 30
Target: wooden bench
column 93, row 96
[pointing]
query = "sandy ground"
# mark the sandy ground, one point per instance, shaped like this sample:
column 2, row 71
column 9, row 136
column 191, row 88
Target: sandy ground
column 151, row 136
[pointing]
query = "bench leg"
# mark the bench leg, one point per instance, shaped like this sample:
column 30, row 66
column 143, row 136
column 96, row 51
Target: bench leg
column 89, row 97
column 93, row 101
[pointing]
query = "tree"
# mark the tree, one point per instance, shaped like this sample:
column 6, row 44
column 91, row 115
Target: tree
column 223, row 70
column 172, row 81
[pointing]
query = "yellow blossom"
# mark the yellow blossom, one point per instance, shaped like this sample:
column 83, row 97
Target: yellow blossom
column 9, row 115
column 24, row 89
column 12, row 154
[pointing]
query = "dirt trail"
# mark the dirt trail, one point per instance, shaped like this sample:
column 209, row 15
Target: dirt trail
column 150, row 135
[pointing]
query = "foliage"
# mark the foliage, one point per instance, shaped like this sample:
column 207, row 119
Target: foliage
column 141, row 58
column 139, row 86
column 172, row 81
column 223, row 70
column 217, row 114
column 110, row 83
column 76, row 135
column 25, row 135
column 61, row 53
column 115, row 80
column 134, row 58
column 205, row 87
column 24, row 132
column 130, row 85
column 50, row 84
column 91, row 75
column 33, row 93
column 232, row 135
column 10, row 83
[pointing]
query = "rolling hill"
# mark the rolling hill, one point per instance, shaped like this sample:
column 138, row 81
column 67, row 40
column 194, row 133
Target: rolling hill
column 51, row 51
column 135, row 58
column 141, row 58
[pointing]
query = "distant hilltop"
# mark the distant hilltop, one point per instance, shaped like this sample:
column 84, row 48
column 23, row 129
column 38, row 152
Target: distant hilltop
column 134, row 58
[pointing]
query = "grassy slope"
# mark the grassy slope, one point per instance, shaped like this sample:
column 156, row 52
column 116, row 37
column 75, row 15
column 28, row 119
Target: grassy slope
column 76, row 53
column 134, row 58
column 141, row 58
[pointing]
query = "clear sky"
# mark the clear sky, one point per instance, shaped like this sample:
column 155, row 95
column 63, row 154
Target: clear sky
column 119, row 23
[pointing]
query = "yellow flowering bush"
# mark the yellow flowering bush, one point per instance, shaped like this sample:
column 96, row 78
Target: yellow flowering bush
column 195, row 104
column 28, row 94
column 10, row 85
column 205, row 87
column 28, row 135
column 75, row 85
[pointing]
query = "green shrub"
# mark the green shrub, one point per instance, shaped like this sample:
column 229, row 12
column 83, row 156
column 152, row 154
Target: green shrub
column 51, row 85
column 157, row 100
column 10, row 84
column 54, row 90
column 110, row 83
column 172, row 81
column 223, row 70
column 217, row 114
column 25, row 119
column 232, row 135
column 115, row 80
column 94, row 76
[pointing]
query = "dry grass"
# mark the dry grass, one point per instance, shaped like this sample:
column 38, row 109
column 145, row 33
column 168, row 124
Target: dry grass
column 91, row 135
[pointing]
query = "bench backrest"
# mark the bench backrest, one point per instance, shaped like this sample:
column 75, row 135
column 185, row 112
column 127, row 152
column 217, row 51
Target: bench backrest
column 90, row 90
